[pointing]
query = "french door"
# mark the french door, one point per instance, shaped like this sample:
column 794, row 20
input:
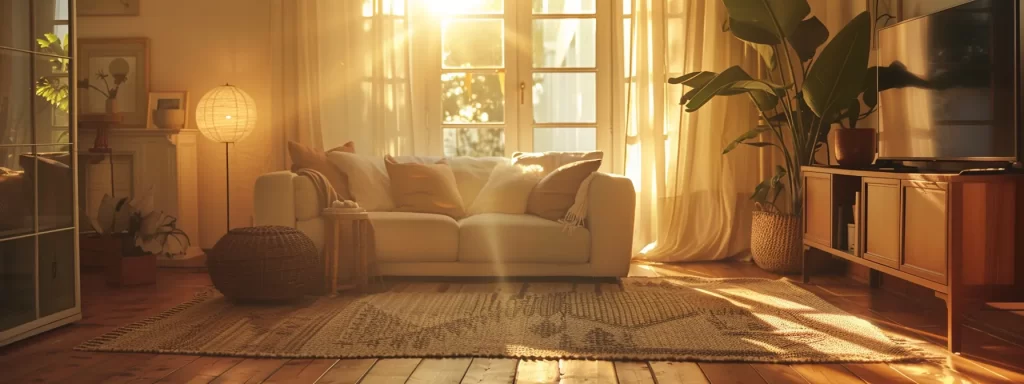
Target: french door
column 521, row 76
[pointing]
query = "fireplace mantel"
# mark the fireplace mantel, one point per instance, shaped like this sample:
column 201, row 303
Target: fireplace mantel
column 162, row 158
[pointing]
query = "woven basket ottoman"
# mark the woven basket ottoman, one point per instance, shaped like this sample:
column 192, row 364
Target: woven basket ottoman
column 268, row 263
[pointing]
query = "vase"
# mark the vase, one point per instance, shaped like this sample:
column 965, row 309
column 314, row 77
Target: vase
column 855, row 147
column 776, row 242
column 111, row 106
column 127, row 265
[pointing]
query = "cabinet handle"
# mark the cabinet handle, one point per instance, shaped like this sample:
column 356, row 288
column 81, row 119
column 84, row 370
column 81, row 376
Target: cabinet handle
column 522, row 92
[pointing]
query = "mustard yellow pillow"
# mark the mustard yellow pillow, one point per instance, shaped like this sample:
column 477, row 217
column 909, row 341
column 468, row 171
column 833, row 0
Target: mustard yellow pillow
column 424, row 188
column 556, row 192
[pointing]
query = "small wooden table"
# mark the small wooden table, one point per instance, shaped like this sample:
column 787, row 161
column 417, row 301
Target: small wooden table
column 341, row 246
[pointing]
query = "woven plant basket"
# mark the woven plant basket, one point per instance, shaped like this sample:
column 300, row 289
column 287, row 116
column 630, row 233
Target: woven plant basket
column 776, row 242
column 268, row 263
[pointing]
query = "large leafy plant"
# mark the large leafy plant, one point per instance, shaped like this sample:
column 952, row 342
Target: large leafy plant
column 802, row 92
column 152, row 231
column 54, row 87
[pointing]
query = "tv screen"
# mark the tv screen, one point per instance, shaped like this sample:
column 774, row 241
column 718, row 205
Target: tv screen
column 948, row 86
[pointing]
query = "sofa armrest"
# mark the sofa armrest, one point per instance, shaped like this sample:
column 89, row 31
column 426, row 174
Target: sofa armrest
column 611, row 207
column 274, row 200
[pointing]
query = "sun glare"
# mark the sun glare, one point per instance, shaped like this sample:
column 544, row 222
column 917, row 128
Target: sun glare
column 454, row 7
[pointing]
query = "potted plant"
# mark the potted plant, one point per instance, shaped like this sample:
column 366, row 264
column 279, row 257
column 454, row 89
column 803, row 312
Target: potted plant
column 801, row 95
column 134, row 234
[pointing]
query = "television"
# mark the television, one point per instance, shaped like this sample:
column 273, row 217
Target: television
column 948, row 85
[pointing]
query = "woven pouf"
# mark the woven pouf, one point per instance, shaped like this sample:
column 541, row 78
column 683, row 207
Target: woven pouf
column 268, row 263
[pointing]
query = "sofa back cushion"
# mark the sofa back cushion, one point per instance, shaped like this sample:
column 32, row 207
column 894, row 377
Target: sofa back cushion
column 507, row 190
column 471, row 174
column 550, row 161
column 368, row 179
column 305, row 157
column 556, row 192
column 424, row 188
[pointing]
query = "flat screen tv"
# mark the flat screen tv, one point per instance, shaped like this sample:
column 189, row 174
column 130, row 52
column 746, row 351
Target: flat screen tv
column 949, row 85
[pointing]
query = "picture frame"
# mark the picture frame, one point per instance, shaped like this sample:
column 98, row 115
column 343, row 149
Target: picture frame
column 164, row 100
column 108, row 7
column 124, row 66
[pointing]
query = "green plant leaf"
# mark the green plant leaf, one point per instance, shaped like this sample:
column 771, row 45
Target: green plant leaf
column 838, row 74
column 732, row 81
column 760, row 194
column 853, row 113
column 760, row 144
column 744, row 137
column 871, row 88
column 809, row 35
column 757, row 20
column 767, row 53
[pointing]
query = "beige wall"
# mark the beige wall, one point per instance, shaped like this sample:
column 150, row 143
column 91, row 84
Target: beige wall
column 196, row 45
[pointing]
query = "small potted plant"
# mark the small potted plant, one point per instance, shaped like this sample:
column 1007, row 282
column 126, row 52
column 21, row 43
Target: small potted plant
column 135, row 234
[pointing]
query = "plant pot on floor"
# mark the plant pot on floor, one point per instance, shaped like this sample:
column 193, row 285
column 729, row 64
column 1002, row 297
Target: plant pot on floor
column 855, row 147
column 776, row 242
column 127, row 265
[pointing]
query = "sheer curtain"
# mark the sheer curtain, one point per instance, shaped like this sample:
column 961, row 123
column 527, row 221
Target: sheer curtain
column 692, row 201
column 342, row 74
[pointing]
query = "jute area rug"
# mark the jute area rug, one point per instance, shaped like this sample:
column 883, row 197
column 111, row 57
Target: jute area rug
column 686, row 318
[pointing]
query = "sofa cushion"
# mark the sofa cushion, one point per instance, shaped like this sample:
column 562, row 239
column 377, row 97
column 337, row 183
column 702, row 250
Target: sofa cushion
column 549, row 161
column 511, row 238
column 415, row 237
column 305, row 157
column 424, row 188
column 471, row 174
column 556, row 192
column 368, row 179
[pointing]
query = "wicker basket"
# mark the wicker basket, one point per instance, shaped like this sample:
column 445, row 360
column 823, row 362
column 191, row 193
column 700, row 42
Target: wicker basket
column 267, row 263
column 776, row 242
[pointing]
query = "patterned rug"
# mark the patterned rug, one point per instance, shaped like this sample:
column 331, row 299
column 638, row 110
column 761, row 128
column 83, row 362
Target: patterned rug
column 686, row 318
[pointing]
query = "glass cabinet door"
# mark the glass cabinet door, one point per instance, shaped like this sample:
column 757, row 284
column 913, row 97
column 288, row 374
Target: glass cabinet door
column 38, row 252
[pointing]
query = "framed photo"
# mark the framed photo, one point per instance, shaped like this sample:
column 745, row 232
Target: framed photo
column 114, row 77
column 108, row 7
column 884, row 13
column 168, row 110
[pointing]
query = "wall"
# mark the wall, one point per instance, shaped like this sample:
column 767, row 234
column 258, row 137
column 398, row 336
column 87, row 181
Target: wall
column 914, row 8
column 196, row 45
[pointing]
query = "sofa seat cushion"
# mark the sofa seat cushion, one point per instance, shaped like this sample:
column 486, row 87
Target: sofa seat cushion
column 409, row 237
column 513, row 238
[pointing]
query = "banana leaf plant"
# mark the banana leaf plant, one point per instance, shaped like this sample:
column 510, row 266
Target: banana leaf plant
column 54, row 87
column 802, row 93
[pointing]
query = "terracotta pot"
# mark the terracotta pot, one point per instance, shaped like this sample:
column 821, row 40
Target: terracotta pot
column 127, row 265
column 855, row 147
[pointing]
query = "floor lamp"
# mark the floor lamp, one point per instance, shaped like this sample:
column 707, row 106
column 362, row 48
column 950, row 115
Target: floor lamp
column 226, row 114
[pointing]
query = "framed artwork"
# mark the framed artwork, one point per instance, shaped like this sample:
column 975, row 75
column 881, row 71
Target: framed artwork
column 884, row 13
column 114, row 77
column 108, row 7
column 168, row 110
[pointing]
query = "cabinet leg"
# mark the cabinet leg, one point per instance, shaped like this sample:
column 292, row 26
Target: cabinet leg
column 954, row 322
column 804, row 272
column 874, row 278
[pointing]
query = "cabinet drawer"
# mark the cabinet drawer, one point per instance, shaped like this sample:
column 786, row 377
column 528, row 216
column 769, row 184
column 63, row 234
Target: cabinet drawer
column 818, row 208
column 881, row 224
column 924, row 230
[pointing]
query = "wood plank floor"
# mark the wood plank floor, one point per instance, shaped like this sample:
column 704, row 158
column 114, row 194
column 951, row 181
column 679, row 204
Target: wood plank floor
column 987, row 357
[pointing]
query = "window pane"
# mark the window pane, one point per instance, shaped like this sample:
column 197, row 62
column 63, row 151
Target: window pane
column 473, row 43
column 16, row 100
column 476, row 142
column 56, row 272
column 563, row 6
column 564, row 43
column 472, row 98
column 455, row 7
column 17, row 198
column 564, row 139
column 53, row 173
column 17, row 282
column 565, row 97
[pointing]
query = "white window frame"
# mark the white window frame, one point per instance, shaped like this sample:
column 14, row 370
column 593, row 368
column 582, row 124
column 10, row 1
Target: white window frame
column 518, row 125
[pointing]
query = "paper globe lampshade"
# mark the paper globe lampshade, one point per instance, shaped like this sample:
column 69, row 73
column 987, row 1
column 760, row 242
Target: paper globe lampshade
column 226, row 114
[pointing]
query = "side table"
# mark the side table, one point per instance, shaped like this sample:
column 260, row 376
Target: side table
column 346, row 247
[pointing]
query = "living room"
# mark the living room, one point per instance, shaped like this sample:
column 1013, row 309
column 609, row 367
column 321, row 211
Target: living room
column 511, row 191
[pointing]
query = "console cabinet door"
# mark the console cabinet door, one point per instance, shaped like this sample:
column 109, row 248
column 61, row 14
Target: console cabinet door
column 881, row 225
column 925, row 230
column 818, row 208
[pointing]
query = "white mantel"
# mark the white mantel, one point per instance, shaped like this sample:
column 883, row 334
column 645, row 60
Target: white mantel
column 163, row 158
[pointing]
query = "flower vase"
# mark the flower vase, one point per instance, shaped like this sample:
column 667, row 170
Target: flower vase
column 111, row 106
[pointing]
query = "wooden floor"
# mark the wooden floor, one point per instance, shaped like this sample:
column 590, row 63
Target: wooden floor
column 50, row 358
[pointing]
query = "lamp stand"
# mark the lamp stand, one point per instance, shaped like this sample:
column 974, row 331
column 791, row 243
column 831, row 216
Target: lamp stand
column 227, row 182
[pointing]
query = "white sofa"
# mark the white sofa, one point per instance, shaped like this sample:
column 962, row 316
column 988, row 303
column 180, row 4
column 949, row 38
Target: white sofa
column 490, row 244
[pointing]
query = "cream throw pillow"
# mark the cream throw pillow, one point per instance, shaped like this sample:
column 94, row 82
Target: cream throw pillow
column 305, row 157
column 550, row 161
column 367, row 182
column 556, row 192
column 424, row 188
column 507, row 190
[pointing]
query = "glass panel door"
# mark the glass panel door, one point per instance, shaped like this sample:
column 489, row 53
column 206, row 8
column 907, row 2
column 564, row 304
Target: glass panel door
column 474, row 59
column 565, row 67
